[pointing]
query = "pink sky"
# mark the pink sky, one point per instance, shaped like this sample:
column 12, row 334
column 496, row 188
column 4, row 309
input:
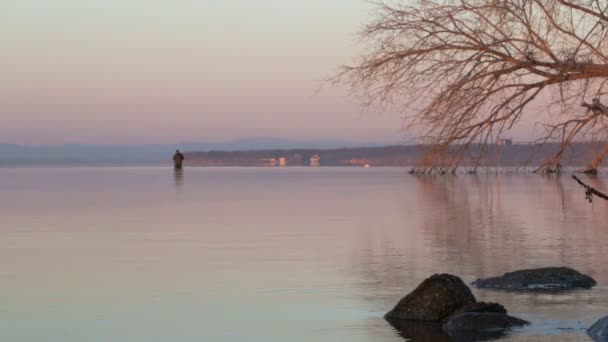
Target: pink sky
column 135, row 71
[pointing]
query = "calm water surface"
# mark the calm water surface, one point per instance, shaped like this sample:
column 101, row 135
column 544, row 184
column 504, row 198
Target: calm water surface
column 297, row 254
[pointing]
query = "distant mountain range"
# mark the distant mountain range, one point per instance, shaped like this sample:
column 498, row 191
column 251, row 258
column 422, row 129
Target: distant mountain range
column 149, row 154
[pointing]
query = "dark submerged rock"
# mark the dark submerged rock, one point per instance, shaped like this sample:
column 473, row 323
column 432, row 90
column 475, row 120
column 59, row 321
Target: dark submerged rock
column 599, row 330
column 420, row 331
column 435, row 299
column 550, row 278
column 482, row 307
column 479, row 326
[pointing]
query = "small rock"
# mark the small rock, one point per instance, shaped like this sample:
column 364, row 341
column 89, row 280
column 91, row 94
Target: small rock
column 599, row 330
column 420, row 331
column 549, row 278
column 475, row 326
column 482, row 307
column 435, row 299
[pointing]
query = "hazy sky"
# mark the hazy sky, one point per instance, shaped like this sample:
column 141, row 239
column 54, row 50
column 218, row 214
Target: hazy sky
column 151, row 71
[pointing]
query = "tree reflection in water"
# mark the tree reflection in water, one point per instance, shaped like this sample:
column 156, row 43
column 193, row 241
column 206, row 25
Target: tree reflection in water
column 478, row 226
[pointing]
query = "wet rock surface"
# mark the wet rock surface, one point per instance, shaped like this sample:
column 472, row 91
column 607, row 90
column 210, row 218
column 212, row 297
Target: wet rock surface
column 482, row 307
column 435, row 299
column 420, row 331
column 478, row 326
column 550, row 278
column 443, row 308
column 599, row 330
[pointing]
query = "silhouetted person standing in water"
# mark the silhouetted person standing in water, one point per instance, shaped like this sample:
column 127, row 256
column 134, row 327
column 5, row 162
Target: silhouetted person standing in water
column 178, row 158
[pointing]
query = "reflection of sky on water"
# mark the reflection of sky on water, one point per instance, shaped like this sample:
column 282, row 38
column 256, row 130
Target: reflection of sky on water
column 268, row 254
column 481, row 226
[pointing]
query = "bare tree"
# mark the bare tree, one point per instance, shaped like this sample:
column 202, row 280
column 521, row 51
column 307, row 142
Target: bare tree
column 469, row 70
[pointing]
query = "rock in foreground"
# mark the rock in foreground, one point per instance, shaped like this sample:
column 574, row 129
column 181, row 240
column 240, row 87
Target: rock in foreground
column 435, row 299
column 550, row 278
column 476, row 326
column 444, row 298
column 599, row 330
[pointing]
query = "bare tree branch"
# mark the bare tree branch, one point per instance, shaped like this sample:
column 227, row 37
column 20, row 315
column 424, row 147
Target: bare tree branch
column 589, row 191
column 472, row 68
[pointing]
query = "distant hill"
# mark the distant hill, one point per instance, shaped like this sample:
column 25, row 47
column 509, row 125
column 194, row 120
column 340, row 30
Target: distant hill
column 19, row 155
column 262, row 151
column 144, row 154
column 251, row 144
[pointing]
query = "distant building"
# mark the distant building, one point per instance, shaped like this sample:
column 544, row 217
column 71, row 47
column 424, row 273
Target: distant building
column 358, row 162
column 507, row 142
column 269, row 162
column 282, row 161
column 315, row 160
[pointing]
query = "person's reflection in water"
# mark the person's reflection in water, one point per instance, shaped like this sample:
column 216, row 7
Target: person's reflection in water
column 178, row 176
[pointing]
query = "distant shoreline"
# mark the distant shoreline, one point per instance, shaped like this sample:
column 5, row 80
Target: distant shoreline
column 512, row 155
column 515, row 155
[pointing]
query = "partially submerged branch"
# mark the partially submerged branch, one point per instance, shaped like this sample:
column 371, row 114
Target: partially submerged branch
column 589, row 191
